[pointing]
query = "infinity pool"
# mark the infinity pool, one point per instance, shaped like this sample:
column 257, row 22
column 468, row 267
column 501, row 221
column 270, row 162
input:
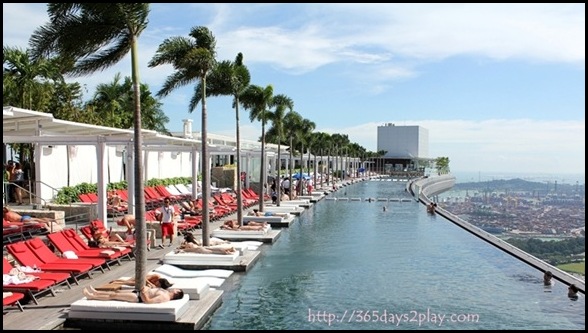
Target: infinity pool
column 347, row 264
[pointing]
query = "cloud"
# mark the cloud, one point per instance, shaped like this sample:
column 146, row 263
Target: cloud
column 522, row 145
column 378, row 34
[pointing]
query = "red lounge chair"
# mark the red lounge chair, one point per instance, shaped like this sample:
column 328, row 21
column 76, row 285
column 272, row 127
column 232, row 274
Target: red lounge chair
column 85, row 198
column 23, row 254
column 194, row 221
column 12, row 299
column 15, row 231
column 77, row 242
column 57, row 277
column 45, row 282
column 48, row 256
column 63, row 244
column 162, row 190
column 93, row 197
column 152, row 198
column 219, row 202
column 98, row 224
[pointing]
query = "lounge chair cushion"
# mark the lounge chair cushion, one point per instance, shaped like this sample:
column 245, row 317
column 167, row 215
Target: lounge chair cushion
column 177, row 272
column 187, row 258
column 93, row 309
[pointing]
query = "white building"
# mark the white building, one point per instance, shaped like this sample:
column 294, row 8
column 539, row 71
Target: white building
column 403, row 141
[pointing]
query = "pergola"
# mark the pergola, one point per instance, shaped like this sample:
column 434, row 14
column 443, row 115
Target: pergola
column 27, row 126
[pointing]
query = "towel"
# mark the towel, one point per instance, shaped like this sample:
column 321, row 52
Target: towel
column 19, row 278
column 28, row 269
column 107, row 253
column 70, row 255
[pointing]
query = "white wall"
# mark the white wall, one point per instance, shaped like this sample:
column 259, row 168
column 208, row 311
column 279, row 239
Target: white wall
column 83, row 166
column 403, row 141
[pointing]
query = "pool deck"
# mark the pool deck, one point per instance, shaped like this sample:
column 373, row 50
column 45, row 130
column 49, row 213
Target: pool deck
column 51, row 313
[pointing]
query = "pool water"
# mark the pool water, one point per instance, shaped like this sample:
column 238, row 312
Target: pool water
column 347, row 264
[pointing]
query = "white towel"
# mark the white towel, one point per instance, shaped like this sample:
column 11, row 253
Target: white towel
column 28, row 269
column 70, row 255
column 8, row 279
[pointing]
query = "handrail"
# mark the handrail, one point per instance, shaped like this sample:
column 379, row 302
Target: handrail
column 54, row 190
column 31, row 194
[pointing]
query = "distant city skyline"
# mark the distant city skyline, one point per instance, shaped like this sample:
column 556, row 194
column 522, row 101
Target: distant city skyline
column 561, row 178
column 500, row 87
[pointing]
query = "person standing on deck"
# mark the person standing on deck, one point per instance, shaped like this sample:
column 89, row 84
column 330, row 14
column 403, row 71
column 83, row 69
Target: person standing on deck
column 166, row 220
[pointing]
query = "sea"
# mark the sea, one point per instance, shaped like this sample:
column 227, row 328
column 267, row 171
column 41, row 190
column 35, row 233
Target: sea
column 481, row 176
column 380, row 264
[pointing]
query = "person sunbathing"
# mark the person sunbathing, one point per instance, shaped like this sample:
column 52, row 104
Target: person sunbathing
column 256, row 212
column 146, row 295
column 49, row 224
column 109, row 239
column 188, row 208
column 193, row 248
column 115, row 200
column 127, row 221
column 151, row 280
column 190, row 238
column 252, row 225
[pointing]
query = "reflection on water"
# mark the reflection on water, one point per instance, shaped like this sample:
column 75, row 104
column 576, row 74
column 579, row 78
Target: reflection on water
column 352, row 265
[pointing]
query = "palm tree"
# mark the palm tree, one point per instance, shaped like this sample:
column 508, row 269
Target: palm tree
column 109, row 101
column 232, row 79
column 96, row 36
column 31, row 84
column 24, row 80
column 292, row 124
column 381, row 154
column 281, row 104
column 339, row 142
column 319, row 141
column 192, row 59
column 304, row 133
column 112, row 103
column 258, row 100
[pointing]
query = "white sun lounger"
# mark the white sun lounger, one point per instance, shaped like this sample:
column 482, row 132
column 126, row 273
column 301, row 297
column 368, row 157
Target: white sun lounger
column 194, row 287
column 93, row 309
column 177, row 272
column 240, row 234
column 187, row 258
column 269, row 219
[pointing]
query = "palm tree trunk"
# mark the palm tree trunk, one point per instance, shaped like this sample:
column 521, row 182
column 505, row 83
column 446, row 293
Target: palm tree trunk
column 262, row 171
column 141, row 228
column 238, row 162
column 205, row 170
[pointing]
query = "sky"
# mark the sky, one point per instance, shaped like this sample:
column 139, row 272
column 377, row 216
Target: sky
column 499, row 87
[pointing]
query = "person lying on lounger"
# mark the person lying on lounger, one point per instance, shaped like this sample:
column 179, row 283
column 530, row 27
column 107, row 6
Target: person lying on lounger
column 151, row 280
column 190, row 238
column 256, row 212
column 146, row 295
column 115, row 200
column 127, row 221
column 193, row 248
column 108, row 239
column 12, row 216
column 233, row 225
column 188, row 208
